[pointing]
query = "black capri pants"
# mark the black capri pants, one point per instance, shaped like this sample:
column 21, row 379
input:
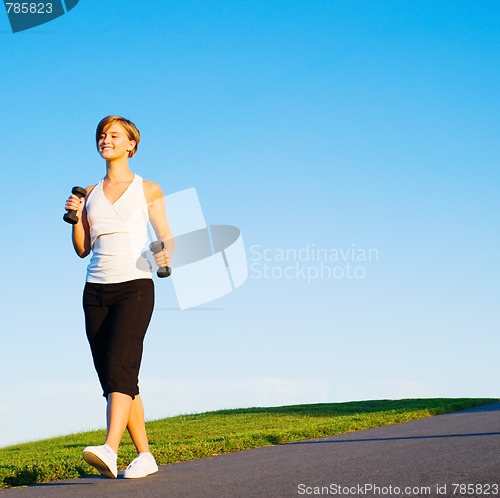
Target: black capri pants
column 116, row 320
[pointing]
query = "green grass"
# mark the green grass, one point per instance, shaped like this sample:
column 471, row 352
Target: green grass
column 188, row 437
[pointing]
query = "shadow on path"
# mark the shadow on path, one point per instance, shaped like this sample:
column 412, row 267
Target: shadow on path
column 439, row 436
column 493, row 407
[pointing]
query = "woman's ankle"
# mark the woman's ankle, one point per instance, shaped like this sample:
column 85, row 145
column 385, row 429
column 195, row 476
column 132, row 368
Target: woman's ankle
column 111, row 447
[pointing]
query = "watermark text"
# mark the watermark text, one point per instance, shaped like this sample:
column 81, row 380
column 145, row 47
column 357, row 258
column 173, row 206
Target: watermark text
column 311, row 263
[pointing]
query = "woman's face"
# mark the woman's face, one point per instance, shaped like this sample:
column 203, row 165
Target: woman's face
column 114, row 142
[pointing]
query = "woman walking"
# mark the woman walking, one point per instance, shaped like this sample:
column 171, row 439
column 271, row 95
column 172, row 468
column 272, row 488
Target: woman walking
column 118, row 297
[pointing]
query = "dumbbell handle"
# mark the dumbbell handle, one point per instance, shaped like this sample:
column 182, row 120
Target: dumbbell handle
column 70, row 216
column 156, row 247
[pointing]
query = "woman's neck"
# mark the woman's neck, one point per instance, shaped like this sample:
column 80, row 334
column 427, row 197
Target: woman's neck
column 118, row 171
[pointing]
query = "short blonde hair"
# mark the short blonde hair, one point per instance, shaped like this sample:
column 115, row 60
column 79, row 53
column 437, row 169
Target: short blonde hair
column 132, row 131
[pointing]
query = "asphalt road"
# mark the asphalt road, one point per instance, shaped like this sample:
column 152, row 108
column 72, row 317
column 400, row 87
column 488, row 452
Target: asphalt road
column 456, row 454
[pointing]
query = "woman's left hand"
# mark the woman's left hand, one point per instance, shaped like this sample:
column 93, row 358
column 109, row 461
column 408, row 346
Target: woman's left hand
column 162, row 258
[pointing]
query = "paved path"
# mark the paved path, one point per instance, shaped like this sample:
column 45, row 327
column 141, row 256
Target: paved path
column 429, row 455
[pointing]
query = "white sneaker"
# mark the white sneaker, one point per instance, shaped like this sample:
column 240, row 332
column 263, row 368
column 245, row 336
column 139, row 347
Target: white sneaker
column 103, row 458
column 144, row 465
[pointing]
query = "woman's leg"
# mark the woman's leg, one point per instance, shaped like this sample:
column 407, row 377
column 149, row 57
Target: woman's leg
column 145, row 464
column 130, row 313
column 136, row 426
column 118, row 414
column 123, row 412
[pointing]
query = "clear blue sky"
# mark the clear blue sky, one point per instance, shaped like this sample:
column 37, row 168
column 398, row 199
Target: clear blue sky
column 330, row 125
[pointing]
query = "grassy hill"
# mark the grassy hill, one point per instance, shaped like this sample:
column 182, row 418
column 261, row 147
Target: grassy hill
column 188, row 437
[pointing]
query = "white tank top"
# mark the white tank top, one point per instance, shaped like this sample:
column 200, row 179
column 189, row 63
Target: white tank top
column 118, row 235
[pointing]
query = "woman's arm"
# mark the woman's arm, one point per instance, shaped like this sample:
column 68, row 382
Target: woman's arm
column 158, row 218
column 81, row 230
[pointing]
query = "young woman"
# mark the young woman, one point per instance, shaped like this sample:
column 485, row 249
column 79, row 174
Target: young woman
column 118, row 297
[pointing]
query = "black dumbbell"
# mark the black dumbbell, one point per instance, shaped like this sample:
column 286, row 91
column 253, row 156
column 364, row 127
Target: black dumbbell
column 70, row 216
column 156, row 247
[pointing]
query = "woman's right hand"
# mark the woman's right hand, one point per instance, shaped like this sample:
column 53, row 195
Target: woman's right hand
column 75, row 203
